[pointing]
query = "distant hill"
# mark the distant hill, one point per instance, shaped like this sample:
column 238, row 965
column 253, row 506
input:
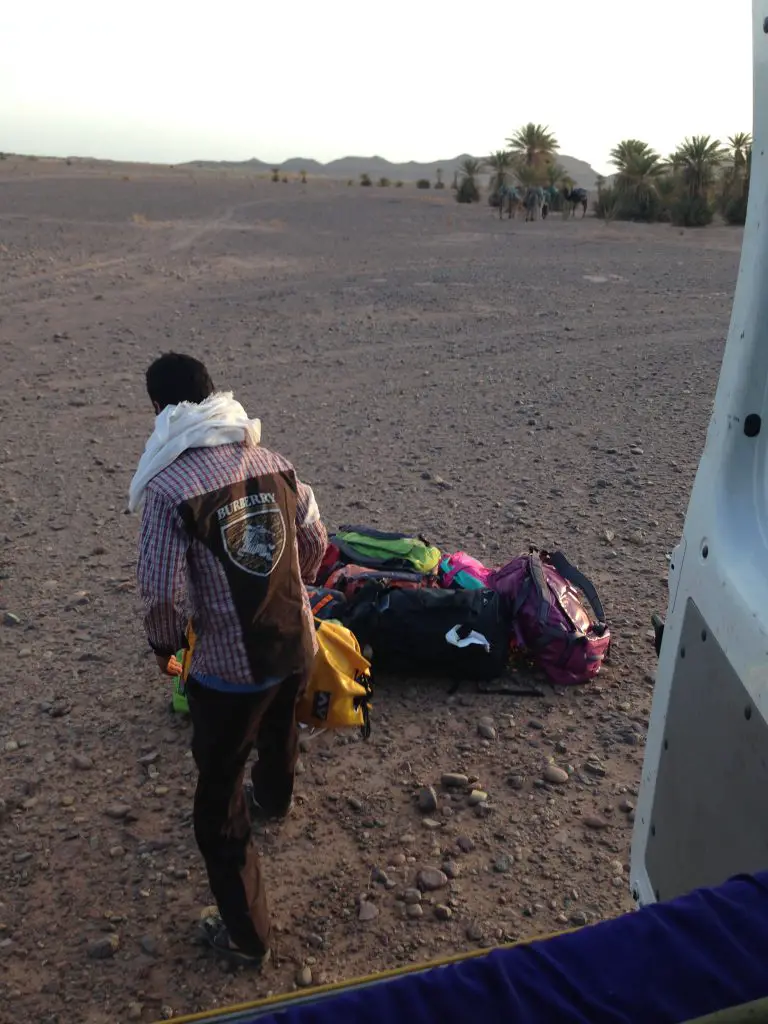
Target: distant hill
column 378, row 167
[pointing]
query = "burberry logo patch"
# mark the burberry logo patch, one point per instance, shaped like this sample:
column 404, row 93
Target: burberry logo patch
column 254, row 540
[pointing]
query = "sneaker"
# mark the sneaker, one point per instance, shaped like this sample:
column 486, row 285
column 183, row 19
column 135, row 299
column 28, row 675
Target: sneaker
column 258, row 814
column 217, row 937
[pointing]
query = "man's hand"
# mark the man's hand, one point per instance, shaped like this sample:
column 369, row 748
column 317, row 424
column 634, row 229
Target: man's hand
column 168, row 666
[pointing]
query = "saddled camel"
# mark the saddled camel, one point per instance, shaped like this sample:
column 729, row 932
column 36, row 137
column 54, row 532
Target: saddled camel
column 510, row 199
column 573, row 198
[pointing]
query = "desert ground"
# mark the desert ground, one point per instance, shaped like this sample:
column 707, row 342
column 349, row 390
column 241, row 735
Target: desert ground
column 427, row 367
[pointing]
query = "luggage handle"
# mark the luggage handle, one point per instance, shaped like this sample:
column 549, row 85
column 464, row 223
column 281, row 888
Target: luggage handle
column 569, row 572
column 547, row 600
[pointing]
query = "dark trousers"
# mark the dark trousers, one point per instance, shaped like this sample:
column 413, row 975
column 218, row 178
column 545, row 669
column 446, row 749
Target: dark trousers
column 226, row 726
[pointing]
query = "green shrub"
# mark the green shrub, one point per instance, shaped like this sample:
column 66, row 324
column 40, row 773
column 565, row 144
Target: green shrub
column 468, row 192
column 736, row 210
column 606, row 204
column 398, row 184
column 365, row 180
column 275, row 174
column 350, row 182
column 615, row 204
column 647, row 208
column 423, row 183
column 692, row 211
column 384, row 182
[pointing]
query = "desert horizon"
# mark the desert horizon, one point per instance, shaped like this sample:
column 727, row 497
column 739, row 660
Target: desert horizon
column 339, row 169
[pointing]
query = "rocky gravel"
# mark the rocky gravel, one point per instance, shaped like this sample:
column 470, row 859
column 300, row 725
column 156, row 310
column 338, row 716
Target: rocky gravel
column 426, row 367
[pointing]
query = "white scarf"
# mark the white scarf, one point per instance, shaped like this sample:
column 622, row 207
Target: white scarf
column 217, row 420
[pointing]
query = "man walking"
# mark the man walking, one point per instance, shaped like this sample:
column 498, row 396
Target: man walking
column 228, row 535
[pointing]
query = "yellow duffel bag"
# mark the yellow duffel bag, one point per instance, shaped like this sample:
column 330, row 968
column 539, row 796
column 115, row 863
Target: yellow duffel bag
column 338, row 695
column 339, row 692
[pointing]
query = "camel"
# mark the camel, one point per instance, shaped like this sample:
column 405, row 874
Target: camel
column 509, row 198
column 575, row 197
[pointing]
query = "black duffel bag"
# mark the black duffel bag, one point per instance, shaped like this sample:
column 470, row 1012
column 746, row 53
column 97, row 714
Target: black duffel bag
column 457, row 633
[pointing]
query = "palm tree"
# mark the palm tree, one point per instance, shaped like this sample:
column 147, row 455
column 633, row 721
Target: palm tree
column 667, row 187
column 640, row 171
column 555, row 174
column 740, row 144
column 697, row 161
column 500, row 164
column 468, row 192
column 534, row 144
column 735, row 194
column 639, row 167
column 470, row 167
column 734, row 181
column 527, row 174
column 627, row 151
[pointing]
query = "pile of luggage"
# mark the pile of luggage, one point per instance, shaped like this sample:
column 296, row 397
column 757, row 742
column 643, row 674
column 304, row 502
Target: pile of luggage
column 421, row 611
column 397, row 600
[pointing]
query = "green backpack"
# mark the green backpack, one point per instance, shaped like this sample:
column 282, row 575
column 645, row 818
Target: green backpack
column 360, row 545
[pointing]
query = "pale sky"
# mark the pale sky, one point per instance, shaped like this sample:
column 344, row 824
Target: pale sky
column 168, row 81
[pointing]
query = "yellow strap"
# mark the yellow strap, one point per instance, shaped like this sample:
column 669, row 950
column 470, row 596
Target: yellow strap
column 367, row 979
column 747, row 1013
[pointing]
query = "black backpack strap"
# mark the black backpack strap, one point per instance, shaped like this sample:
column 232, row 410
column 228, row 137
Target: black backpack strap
column 569, row 572
column 364, row 704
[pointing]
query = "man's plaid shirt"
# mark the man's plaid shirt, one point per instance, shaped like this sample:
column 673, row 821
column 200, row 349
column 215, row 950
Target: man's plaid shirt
column 179, row 578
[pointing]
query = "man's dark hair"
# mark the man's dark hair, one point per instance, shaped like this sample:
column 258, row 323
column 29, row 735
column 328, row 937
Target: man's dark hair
column 175, row 378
